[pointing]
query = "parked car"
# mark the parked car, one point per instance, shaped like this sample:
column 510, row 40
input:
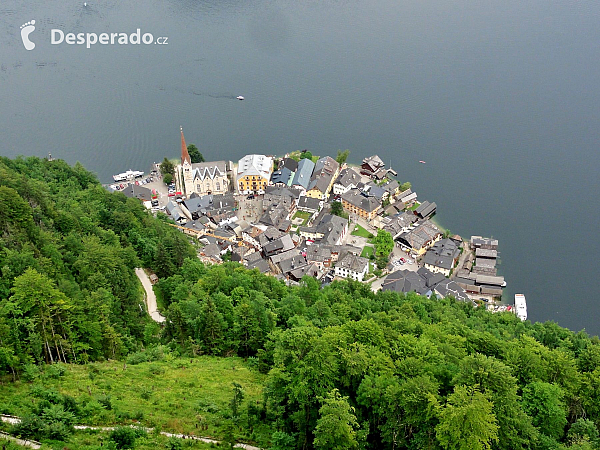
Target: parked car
column 250, row 197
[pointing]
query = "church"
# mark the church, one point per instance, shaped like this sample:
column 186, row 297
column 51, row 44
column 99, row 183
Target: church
column 200, row 178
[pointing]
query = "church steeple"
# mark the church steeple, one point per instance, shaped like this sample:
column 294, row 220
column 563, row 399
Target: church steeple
column 185, row 156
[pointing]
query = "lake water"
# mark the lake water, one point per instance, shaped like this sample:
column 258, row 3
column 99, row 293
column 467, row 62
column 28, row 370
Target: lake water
column 500, row 98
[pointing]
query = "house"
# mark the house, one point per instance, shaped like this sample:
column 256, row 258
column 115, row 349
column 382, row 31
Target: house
column 442, row 257
column 371, row 164
column 373, row 190
column 325, row 172
column 320, row 255
column 282, row 177
column 289, row 163
column 310, row 205
column 485, row 243
column 276, row 217
column 392, row 187
column 202, row 178
column 303, row 175
column 139, row 192
column 250, row 236
column 407, row 197
column 357, row 203
column 283, row 244
column 329, row 229
column 405, row 281
column 346, row 180
column 352, row 266
column 420, row 238
column 254, row 174
column 173, row 210
column 290, row 264
column 425, row 210
column 400, row 224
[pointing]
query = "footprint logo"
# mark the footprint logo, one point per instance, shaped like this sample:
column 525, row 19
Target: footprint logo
column 26, row 30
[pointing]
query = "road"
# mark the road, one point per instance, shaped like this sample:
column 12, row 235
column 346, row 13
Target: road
column 150, row 297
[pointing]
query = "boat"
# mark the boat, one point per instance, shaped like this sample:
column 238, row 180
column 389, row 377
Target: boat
column 128, row 175
column 422, row 162
column 520, row 306
column 239, row 97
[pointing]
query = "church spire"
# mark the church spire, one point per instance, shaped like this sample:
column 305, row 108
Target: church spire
column 185, row 156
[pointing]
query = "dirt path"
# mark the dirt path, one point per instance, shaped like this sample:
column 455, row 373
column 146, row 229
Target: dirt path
column 33, row 444
column 150, row 297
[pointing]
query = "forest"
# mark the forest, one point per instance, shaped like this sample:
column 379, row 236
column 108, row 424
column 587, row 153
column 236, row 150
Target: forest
column 343, row 367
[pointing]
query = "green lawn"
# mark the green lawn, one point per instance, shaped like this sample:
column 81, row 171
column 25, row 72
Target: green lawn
column 360, row 231
column 303, row 215
column 367, row 252
column 413, row 207
column 174, row 394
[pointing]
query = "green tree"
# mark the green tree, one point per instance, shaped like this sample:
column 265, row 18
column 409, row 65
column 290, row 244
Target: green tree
column 123, row 437
column 384, row 244
column 405, row 186
column 168, row 178
column 195, row 155
column 583, row 430
column 337, row 425
column 543, row 402
column 467, row 421
column 306, row 155
column 337, row 209
column 212, row 327
column 342, row 156
column 236, row 400
column 48, row 309
column 167, row 167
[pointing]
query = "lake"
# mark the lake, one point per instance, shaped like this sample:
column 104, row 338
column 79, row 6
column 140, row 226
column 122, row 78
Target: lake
column 500, row 98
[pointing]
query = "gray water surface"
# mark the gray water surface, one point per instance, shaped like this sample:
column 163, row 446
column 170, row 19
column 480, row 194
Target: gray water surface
column 500, row 98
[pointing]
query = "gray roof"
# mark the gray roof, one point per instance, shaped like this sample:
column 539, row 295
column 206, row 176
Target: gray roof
column 174, row 211
column 392, row 186
column 426, row 209
column 421, row 235
column 442, row 254
column 282, row 176
column 478, row 241
column 449, row 288
column 486, row 253
column 261, row 265
column 283, row 244
column 356, row 198
column 320, row 183
column 488, row 279
column 354, row 263
column 139, row 192
column 325, row 166
column 374, row 162
column 313, row 204
column 348, row 177
column 406, row 281
column 292, row 263
column 372, row 190
column 304, row 173
column 274, row 216
column 209, row 169
column 290, row 164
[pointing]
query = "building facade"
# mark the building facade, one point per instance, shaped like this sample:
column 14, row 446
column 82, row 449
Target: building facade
column 254, row 173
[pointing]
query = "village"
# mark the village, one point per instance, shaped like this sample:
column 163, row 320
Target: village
column 302, row 215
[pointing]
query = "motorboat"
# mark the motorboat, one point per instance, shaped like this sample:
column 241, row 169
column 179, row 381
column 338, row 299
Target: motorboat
column 520, row 306
column 128, row 175
column 239, row 97
column 422, row 162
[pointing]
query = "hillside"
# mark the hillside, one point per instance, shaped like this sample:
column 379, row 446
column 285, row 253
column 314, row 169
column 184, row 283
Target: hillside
column 340, row 366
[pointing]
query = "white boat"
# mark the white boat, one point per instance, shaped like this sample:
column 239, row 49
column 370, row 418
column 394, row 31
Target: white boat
column 520, row 306
column 239, row 97
column 129, row 175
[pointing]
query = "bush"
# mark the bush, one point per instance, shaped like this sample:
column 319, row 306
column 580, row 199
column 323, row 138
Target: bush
column 173, row 444
column 123, row 437
column 55, row 371
column 31, row 372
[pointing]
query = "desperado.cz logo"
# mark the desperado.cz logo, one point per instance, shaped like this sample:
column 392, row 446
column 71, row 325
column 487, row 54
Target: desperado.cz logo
column 58, row 37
